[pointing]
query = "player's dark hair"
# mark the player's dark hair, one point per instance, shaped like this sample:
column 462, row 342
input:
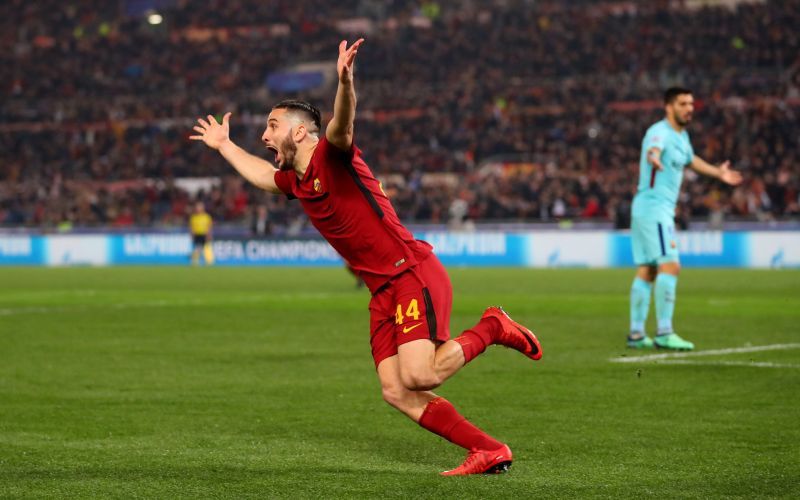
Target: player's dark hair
column 672, row 93
column 304, row 107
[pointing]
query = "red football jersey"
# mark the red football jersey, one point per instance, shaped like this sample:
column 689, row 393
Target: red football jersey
column 347, row 205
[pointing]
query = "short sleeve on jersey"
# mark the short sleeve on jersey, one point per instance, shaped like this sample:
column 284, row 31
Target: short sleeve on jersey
column 328, row 150
column 655, row 139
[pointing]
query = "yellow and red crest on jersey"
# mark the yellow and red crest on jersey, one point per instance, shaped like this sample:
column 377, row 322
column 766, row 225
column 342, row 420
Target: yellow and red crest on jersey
column 317, row 185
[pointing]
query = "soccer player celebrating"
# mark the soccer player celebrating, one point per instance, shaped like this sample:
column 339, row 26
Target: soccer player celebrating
column 666, row 151
column 411, row 291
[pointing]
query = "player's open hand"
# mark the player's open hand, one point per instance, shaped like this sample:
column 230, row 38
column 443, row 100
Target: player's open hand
column 729, row 176
column 213, row 133
column 344, row 66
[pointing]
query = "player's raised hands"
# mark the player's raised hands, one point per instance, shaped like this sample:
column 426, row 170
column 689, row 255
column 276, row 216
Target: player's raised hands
column 729, row 176
column 213, row 133
column 344, row 66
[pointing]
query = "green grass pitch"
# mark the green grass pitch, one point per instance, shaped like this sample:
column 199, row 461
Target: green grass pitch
column 258, row 383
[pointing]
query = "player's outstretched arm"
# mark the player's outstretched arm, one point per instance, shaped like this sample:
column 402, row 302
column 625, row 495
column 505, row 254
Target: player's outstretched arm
column 723, row 172
column 340, row 128
column 215, row 135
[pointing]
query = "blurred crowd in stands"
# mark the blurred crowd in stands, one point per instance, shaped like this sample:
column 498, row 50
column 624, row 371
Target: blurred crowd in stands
column 468, row 111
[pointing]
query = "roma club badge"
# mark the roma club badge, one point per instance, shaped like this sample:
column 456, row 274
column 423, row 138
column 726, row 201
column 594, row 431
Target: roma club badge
column 317, row 185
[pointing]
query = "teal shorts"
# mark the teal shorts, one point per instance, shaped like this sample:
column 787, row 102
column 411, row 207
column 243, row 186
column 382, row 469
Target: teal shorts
column 653, row 241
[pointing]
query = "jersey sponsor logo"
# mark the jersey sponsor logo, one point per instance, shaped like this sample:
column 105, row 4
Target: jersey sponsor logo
column 407, row 329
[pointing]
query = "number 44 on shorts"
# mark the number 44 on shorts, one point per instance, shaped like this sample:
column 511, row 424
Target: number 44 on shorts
column 411, row 312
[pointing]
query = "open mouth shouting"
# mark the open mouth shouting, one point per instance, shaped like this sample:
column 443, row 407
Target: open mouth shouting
column 278, row 157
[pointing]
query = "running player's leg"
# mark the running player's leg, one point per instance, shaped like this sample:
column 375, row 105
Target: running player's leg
column 494, row 327
column 427, row 356
column 412, row 353
column 425, row 366
column 395, row 393
column 440, row 417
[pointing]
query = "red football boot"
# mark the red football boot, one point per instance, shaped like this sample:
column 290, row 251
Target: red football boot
column 484, row 462
column 513, row 334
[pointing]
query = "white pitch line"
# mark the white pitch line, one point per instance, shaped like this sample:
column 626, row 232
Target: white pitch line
column 711, row 352
column 26, row 310
column 757, row 364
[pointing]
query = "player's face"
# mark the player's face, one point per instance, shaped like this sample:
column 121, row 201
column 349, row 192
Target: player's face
column 278, row 139
column 681, row 109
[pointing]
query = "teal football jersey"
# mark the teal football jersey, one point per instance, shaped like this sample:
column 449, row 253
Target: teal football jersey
column 657, row 191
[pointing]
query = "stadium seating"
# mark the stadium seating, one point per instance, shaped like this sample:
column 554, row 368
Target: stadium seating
column 506, row 110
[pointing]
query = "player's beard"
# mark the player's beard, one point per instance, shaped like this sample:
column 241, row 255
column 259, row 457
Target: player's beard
column 288, row 151
column 682, row 121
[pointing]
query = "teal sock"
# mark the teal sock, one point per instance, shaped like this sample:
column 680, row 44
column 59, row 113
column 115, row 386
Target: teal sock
column 665, row 301
column 640, row 304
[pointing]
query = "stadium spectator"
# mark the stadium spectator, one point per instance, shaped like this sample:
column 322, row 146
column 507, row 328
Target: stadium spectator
column 260, row 224
column 94, row 97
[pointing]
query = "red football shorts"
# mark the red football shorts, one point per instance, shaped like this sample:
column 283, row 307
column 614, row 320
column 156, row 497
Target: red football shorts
column 414, row 305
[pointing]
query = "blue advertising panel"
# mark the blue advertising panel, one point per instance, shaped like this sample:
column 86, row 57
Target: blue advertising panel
column 21, row 250
column 697, row 249
column 760, row 249
column 568, row 249
column 479, row 248
column 247, row 252
column 151, row 249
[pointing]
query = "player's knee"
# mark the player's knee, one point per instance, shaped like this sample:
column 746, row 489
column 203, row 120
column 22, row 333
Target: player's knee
column 420, row 380
column 647, row 273
column 673, row 268
column 394, row 396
